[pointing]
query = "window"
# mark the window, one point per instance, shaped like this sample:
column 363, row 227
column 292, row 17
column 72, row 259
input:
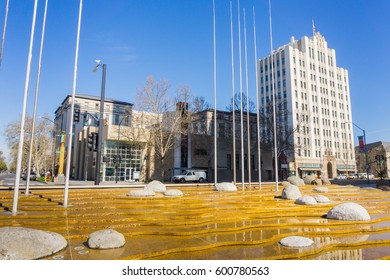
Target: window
column 229, row 161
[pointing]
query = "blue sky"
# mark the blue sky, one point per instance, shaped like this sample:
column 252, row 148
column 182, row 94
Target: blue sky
column 173, row 40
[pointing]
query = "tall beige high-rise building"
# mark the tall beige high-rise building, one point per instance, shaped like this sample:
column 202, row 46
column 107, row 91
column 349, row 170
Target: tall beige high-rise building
column 313, row 110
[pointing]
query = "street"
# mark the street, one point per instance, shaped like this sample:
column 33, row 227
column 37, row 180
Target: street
column 8, row 179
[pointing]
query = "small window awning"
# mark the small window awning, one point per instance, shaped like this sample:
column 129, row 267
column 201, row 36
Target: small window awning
column 310, row 168
column 346, row 169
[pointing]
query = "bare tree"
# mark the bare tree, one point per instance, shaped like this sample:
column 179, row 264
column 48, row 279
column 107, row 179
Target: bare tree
column 165, row 116
column 200, row 104
column 237, row 103
column 284, row 131
column 42, row 145
column 3, row 165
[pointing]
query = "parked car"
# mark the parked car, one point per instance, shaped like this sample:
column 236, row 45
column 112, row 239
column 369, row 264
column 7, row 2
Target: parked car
column 190, row 176
column 341, row 177
column 33, row 176
column 370, row 176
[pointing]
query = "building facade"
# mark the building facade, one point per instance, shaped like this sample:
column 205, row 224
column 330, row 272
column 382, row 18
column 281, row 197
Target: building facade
column 313, row 108
column 195, row 149
column 378, row 159
column 117, row 117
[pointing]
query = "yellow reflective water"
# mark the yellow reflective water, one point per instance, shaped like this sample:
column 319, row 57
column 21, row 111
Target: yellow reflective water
column 205, row 224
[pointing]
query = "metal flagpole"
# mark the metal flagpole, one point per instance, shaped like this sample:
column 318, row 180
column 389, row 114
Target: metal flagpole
column 215, row 102
column 274, row 101
column 4, row 29
column 36, row 102
column 241, row 113
column 70, row 125
column 233, row 105
column 257, row 100
column 22, row 123
column 247, row 105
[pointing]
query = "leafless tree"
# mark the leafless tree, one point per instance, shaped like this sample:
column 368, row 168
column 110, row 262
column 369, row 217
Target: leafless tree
column 42, row 145
column 237, row 103
column 163, row 116
column 284, row 130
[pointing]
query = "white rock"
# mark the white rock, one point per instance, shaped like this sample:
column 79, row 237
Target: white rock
column 309, row 179
column 321, row 189
column 296, row 241
column 227, row 187
column 321, row 198
column 141, row 193
column 291, row 192
column 317, row 182
column 295, row 180
column 349, row 211
column 173, row 192
column 106, row 239
column 156, row 186
column 18, row 243
column 306, row 200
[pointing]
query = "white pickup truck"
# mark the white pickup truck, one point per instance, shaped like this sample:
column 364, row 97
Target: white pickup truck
column 190, row 176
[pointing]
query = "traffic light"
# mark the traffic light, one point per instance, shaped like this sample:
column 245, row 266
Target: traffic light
column 90, row 142
column 95, row 143
column 76, row 115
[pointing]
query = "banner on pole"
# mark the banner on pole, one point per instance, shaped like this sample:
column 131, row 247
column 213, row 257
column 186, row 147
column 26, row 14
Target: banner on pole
column 362, row 145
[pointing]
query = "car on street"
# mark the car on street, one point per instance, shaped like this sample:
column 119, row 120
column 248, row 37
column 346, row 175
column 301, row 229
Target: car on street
column 370, row 176
column 33, row 176
column 190, row 176
column 341, row 177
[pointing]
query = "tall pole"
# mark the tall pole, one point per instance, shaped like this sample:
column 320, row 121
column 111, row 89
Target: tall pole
column 70, row 125
column 36, row 102
column 365, row 150
column 101, row 126
column 257, row 101
column 22, row 123
column 273, row 101
column 4, row 29
column 233, row 105
column 247, row 106
column 241, row 113
column 215, row 101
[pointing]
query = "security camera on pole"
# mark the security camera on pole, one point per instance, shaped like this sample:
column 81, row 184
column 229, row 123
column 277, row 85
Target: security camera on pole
column 101, row 121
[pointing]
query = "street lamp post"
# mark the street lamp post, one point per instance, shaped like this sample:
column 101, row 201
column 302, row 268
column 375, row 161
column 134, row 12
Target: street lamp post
column 365, row 150
column 118, row 157
column 101, row 124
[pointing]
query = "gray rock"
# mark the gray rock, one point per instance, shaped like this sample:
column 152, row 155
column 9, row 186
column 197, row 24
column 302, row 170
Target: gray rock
column 156, row 186
column 296, row 241
column 321, row 189
column 285, row 183
column 295, row 180
column 317, row 182
column 106, row 239
column 291, row 192
column 141, row 193
column 321, row 198
column 306, row 200
column 18, row 243
column 227, row 187
column 309, row 179
column 173, row 192
column 348, row 211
